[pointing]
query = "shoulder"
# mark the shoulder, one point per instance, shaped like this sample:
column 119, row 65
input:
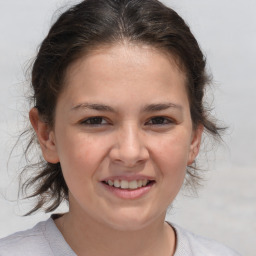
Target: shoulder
column 29, row 242
column 189, row 243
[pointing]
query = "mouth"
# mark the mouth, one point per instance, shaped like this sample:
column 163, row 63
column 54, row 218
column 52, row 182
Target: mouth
column 128, row 185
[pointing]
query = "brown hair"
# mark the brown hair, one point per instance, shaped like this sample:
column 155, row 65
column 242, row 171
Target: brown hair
column 91, row 24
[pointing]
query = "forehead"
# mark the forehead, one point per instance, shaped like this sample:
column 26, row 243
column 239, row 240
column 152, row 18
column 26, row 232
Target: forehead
column 126, row 70
column 125, row 55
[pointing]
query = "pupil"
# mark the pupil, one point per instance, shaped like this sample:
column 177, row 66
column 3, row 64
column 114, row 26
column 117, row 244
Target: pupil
column 158, row 120
column 96, row 120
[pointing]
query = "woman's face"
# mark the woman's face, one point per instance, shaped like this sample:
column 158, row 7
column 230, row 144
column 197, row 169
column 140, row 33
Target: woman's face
column 123, row 135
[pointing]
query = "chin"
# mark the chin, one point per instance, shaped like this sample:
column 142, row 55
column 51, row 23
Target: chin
column 129, row 221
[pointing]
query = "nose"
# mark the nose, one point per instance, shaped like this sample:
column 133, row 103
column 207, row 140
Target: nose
column 129, row 148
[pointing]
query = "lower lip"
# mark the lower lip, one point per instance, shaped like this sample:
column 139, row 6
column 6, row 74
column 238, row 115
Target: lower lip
column 128, row 193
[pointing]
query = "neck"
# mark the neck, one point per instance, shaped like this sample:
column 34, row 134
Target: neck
column 89, row 238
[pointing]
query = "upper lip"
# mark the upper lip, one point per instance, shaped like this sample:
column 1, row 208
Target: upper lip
column 128, row 177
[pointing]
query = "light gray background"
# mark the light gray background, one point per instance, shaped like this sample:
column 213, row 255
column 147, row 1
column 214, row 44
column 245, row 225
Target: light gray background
column 225, row 208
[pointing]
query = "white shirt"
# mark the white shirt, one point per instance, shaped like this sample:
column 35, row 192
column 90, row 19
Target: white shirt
column 46, row 240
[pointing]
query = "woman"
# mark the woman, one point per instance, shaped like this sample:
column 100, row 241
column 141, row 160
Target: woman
column 118, row 113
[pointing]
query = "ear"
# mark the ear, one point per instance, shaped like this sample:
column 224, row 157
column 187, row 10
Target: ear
column 195, row 144
column 45, row 136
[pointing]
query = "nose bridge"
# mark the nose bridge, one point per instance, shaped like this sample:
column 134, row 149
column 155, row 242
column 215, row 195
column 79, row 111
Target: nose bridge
column 130, row 148
column 133, row 140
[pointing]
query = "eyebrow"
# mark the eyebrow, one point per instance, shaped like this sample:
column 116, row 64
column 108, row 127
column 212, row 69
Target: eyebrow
column 160, row 106
column 94, row 106
column 147, row 108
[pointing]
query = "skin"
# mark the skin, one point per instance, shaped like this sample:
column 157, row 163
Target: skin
column 146, row 129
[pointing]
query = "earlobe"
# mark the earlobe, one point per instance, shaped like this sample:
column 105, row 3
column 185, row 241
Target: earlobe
column 195, row 144
column 45, row 137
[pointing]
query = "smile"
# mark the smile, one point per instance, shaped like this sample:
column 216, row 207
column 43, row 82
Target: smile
column 125, row 184
column 128, row 189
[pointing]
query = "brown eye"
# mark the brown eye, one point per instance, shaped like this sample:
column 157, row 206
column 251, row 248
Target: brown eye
column 159, row 120
column 94, row 121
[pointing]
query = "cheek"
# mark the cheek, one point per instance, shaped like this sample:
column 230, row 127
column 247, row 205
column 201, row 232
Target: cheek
column 171, row 157
column 173, row 150
column 79, row 154
column 80, row 157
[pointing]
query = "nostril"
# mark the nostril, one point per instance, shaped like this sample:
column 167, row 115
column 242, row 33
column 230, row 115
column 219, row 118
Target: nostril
column 129, row 158
column 129, row 147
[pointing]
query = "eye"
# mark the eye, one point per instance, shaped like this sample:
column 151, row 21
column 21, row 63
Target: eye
column 159, row 120
column 94, row 121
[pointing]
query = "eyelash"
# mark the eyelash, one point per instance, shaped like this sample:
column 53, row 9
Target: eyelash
column 97, row 121
column 165, row 121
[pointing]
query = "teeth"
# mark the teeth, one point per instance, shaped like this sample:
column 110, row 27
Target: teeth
column 133, row 184
column 110, row 183
column 124, row 184
column 139, row 183
column 144, row 182
column 116, row 183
